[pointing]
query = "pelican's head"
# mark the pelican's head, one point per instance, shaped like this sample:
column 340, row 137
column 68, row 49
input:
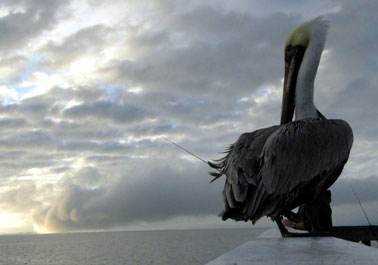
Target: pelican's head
column 299, row 36
column 295, row 47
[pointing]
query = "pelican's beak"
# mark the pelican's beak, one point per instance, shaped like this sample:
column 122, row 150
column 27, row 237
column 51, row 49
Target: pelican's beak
column 293, row 60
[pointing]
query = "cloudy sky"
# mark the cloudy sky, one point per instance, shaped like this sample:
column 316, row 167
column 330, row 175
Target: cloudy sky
column 87, row 88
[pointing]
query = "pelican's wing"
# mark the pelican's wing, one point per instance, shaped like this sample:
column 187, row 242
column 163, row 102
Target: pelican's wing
column 242, row 164
column 299, row 151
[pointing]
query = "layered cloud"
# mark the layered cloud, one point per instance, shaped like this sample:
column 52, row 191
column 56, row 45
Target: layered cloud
column 88, row 89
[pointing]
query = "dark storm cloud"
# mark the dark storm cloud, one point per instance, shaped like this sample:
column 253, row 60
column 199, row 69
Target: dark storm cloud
column 167, row 192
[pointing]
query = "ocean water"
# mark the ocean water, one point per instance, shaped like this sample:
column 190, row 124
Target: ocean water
column 184, row 247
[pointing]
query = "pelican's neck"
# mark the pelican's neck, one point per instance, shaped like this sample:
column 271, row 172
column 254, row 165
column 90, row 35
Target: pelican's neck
column 304, row 93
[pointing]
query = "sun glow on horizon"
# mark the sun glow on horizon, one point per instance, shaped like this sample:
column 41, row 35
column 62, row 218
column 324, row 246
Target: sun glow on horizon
column 14, row 223
column 41, row 230
column 8, row 220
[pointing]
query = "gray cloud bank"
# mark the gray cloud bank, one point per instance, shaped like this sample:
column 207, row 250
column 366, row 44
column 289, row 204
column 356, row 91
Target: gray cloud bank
column 164, row 194
column 171, row 193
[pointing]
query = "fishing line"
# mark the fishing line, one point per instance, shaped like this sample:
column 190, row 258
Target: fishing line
column 359, row 202
column 183, row 148
column 358, row 199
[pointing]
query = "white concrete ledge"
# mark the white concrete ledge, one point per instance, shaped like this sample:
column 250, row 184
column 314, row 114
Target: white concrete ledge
column 267, row 250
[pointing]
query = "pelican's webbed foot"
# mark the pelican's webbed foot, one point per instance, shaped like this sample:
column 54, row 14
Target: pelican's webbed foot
column 285, row 233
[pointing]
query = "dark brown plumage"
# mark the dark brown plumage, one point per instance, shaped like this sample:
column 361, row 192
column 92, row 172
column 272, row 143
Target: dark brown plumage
column 275, row 169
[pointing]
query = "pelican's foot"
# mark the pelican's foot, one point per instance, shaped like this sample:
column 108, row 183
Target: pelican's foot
column 285, row 233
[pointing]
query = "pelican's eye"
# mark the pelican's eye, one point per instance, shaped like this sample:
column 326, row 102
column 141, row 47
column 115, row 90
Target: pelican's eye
column 289, row 53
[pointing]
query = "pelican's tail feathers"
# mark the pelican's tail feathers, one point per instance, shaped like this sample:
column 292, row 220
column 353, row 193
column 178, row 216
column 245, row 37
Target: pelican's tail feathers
column 216, row 175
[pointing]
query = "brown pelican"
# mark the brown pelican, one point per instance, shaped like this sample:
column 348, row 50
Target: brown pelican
column 271, row 171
